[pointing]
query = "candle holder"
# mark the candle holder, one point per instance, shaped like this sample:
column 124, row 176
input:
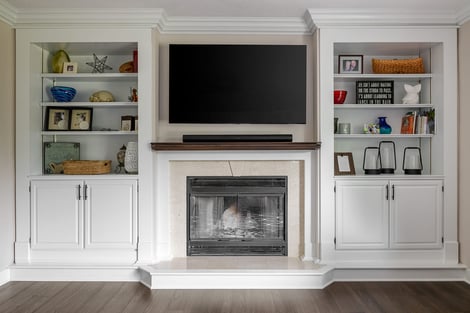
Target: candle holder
column 412, row 161
column 371, row 162
column 387, row 157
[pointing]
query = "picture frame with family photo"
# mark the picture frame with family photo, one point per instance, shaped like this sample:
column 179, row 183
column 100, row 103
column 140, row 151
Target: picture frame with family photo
column 350, row 64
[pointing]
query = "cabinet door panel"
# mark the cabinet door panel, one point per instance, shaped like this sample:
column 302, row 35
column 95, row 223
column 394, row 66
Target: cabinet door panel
column 416, row 214
column 56, row 215
column 111, row 214
column 361, row 215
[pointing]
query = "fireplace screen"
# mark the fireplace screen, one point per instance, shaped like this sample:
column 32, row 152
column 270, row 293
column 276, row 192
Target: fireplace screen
column 237, row 216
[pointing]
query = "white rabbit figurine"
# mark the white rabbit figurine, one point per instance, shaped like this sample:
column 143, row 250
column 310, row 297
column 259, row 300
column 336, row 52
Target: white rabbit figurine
column 412, row 94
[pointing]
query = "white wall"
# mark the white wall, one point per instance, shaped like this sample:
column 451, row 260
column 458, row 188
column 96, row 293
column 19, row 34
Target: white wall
column 7, row 145
column 464, row 147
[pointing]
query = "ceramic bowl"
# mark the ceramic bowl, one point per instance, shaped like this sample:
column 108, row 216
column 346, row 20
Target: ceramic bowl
column 340, row 96
column 63, row 93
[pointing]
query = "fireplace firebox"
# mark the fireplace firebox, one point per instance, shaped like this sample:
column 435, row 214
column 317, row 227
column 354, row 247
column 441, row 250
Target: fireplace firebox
column 237, row 215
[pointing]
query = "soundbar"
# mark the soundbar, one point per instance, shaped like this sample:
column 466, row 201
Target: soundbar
column 238, row 138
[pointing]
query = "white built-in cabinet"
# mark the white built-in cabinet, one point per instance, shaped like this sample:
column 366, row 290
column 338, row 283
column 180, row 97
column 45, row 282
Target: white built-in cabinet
column 388, row 214
column 389, row 218
column 87, row 219
column 84, row 219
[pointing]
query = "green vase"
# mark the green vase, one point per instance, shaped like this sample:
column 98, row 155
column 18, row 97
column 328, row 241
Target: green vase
column 58, row 61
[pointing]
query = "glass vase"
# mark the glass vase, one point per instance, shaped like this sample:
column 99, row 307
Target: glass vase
column 384, row 127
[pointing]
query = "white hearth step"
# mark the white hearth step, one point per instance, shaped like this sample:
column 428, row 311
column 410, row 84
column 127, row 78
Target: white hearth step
column 228, row 272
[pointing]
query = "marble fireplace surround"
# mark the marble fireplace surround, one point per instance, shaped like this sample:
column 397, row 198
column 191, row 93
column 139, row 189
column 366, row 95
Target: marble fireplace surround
column 173, row 167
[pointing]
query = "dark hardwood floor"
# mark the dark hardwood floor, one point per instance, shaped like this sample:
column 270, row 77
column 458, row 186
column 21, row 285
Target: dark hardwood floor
column 350, row 297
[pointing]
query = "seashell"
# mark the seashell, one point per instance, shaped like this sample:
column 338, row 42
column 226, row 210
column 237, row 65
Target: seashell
column 102, row 96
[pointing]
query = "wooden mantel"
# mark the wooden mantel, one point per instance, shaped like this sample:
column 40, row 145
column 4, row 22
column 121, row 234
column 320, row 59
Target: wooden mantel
column 206, row 146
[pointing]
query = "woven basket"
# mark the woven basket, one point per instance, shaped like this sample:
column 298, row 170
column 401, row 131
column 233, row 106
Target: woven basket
column 409, row 66
column 87, row 167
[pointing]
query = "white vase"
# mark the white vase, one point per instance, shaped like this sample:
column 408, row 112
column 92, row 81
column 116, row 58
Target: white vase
column 131, row 159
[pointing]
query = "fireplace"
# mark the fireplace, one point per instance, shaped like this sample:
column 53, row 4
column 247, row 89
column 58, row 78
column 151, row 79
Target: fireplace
column 237, row 215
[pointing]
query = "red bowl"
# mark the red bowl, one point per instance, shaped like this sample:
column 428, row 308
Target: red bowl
column 340, row 96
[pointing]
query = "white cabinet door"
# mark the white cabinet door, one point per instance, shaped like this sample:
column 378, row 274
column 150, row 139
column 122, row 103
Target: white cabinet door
column 111, row 214
column 416, row 214
column 362, row 214
column 56, row 215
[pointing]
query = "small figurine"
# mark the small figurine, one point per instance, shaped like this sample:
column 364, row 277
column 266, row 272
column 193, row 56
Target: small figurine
column 120, row 158
column 133, row 96
column 412, row 94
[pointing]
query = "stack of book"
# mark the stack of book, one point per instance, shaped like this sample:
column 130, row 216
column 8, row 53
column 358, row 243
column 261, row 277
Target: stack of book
column 417, row 122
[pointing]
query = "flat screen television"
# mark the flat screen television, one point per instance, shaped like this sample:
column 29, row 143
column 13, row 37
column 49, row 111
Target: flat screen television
column 237, row 84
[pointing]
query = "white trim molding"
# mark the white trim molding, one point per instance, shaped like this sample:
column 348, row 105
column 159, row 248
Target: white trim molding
column 4, row 276
column 157, row 18
column 88, row 18
column 380, row 18
column 468, row 276
column 74, row 273
column 233, row 25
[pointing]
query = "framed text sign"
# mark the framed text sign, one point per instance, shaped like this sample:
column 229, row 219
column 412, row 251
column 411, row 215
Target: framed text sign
column 374, row 92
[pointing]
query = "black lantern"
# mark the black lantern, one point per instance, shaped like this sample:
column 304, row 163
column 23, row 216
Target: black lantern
column 387, row 157
column 371, row 162
column 412, row 162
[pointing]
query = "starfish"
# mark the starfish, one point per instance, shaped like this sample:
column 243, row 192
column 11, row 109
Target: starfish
column 99, row 65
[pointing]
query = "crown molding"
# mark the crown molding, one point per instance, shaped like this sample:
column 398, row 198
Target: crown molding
column 156, row 18
column 233, row 25
column 7, row 13
column 88, row 18
column 381, row 18
column 464, row 16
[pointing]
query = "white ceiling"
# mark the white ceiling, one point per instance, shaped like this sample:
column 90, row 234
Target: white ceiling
column 249, row 8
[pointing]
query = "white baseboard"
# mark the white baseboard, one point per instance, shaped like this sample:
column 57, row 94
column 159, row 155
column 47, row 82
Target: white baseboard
column 74, row 273
column 4, row 276
column 232, row 279
column 401, row 274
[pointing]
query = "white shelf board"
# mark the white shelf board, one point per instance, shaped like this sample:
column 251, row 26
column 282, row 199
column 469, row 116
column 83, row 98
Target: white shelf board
column 90, row 104
column 88, row 133
column 90, row 76
column 348, row 136
column 352, row 106
column 383, row 76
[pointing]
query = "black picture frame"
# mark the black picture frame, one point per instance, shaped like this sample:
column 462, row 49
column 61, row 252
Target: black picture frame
column 81, row 119
column 344, row 164
column 350, row 64
column 57, row 119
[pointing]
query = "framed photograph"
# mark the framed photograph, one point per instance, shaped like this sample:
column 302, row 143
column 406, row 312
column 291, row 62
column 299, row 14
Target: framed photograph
column 350, row 64
column 81, row 119
column 127, row 123
column 70, row 67
column 57, row 118
column 344, row 164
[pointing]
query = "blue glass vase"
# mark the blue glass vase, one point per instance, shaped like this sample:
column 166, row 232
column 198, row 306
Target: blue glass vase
column 384, row 127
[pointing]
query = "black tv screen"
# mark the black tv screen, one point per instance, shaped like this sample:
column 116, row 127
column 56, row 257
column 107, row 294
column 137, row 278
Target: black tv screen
column 237, row 84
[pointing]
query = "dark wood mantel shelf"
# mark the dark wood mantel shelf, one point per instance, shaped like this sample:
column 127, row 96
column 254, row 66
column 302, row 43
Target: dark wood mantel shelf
column 206, row 146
